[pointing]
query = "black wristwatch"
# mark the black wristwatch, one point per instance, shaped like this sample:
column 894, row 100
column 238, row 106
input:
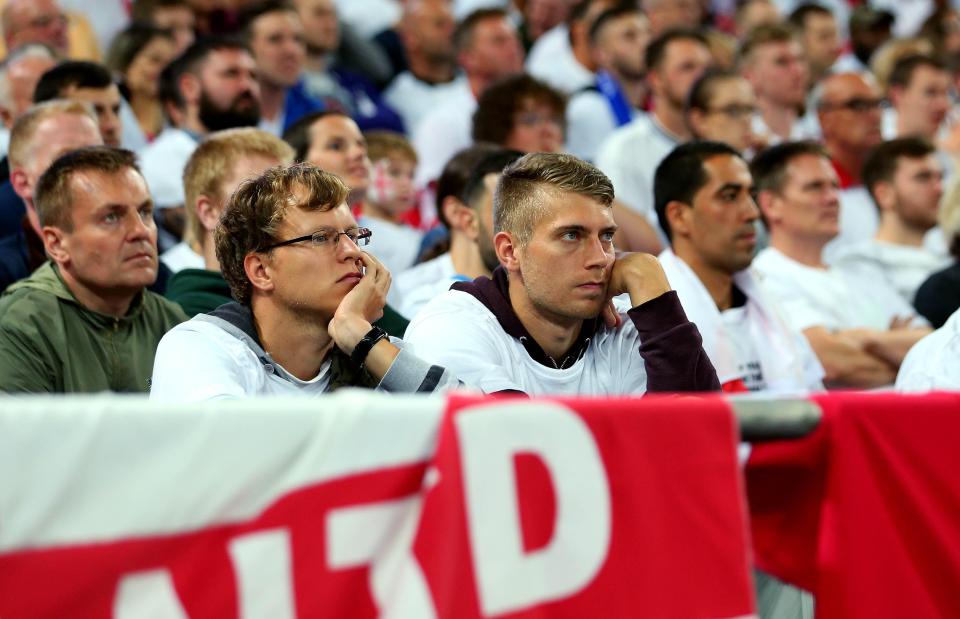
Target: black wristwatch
column 368, row 341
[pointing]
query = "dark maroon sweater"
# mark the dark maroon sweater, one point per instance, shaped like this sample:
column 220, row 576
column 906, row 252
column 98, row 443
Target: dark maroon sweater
column 670, row 345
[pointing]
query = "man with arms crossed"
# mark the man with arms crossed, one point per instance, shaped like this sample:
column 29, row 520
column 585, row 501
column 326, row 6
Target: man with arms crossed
column 535, row 327
column 289, row 247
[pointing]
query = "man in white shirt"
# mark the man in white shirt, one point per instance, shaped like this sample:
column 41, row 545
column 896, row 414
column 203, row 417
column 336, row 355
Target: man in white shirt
column 212, row 86
column 562, row 56
column 905, row 180
column 934, row 363
column 858, row 330
column 289, row 247
column 468, row 216
column 702, row 195
column 772, row 61
column 819, row 36
column 618, row 40
column 630, row 154
column 535, row 327
column 488, row 48
column 919, row 90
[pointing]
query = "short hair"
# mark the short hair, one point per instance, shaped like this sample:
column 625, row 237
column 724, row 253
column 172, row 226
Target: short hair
column 763, row 34
column 882, row 161
column 256, row 210
column 30, row 50
column 769, row 166
column 23, row 130
column 129, row 42
column 257, row 10
column 798, row 17
column 382, row 144
column 949, row 217
column 492, row 163
column 602, row 20
column 52, row 196
column 191, row 61
column 657, row 50
column 214, row 158
column 297, row 135
column 705, row 88
column 518, row 199
column 885, row 58
column 904, row 68
column 55, row 83
column 493, row 119
column 681, row 175
column 463, row 33
column 143, row 10
column 456, row 172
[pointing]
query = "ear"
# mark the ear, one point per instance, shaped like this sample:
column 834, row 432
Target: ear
column 460, row 216
column 507, row 251
column 56, row 244
column 885, row 195
column 21, row 183
column 695, row 119
column 208, row 212
column 259, row 272
column 895, row 94
column 678, row 216
column 770, row 205
column 6, row 116
column 190, row 87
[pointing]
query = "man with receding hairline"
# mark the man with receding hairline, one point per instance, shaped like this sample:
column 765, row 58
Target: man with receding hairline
column 543, row 324
column 84, row 322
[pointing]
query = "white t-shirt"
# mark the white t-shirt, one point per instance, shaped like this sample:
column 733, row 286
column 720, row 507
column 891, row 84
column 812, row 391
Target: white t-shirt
column 551, row 60
column 630, row 156
column 162, row 163
column 934, row 361
column 181, row 256
column 859, row 220
column 198, row 360
column 420, row 284
column 736, row 324
column 458, row 332
column 799, row 131
column 396, row 246
column 812, row 297
column 901, row 267
column 414, row 99
column 590, row 121
column 445, row 130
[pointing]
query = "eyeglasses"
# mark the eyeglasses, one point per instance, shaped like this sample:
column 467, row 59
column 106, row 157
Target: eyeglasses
column 328, row 238
column 734, row 110
column 856, row 105
column 532, row 119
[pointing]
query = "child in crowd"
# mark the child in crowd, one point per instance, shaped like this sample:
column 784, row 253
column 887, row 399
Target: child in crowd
column 390, row 194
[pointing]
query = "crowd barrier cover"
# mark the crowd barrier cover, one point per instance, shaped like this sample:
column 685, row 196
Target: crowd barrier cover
column 373, row 505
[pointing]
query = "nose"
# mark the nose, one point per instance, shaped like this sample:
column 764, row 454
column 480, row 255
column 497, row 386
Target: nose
column 347, row 248
column 141, row 228
column 598, row 254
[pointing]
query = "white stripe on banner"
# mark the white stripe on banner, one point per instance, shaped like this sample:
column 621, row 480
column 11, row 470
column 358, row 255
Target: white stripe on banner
column 153, row 462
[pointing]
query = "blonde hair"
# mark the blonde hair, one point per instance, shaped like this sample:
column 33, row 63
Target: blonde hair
column 518, row 201
column 213, row 160
column 885, row 58
column 384, row 144
column 21, row 135
column 253, row 215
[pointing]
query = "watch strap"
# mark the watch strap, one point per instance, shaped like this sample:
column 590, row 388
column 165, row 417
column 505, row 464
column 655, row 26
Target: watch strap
column 367, row 342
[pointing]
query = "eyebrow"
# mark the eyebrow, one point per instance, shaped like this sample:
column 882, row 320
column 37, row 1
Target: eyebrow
column 583, row 229
column 735, row 186
column 113, row 206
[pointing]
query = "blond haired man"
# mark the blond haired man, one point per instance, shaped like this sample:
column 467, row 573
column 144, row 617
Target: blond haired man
column 218, row 166
column 535, row 326
column 306, row 294
column 84, row 322
column 43, row 133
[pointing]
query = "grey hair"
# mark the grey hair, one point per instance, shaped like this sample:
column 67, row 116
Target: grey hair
column 31, row 50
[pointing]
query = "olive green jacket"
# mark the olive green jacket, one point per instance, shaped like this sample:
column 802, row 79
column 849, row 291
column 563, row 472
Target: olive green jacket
column 51, row 343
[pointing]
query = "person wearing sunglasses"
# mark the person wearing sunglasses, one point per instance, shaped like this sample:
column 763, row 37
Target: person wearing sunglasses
column 307, row 295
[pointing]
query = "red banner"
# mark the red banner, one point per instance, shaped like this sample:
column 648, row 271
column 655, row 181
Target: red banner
column 520, row 508
column 866, row 511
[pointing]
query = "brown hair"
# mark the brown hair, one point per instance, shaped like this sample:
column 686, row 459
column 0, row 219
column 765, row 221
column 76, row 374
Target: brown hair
column 383, row 144
column 21, row 135
column 214, row 159
column 763, row 34
column 253, row 215
column 499, row 103
column 518, row 198
column 53, row 198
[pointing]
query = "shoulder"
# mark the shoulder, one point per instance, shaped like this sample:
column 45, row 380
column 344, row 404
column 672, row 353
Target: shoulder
column 29, row 311
column 626, row 137
column 164, row 312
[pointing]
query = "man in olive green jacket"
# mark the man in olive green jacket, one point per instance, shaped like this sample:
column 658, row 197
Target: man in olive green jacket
column 84, row 321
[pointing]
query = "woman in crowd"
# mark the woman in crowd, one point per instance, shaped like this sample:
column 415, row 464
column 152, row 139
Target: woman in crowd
column 720, row 108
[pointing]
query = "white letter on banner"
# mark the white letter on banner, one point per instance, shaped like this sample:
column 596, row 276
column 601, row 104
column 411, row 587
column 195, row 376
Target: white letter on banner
column 147, row 595
column 382, row 535
column 507, row 578
column 263, row 567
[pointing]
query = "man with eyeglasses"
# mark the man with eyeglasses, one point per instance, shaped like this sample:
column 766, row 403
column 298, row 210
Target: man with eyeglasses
column 307, row 295
column 849, row 108
column 35, row 21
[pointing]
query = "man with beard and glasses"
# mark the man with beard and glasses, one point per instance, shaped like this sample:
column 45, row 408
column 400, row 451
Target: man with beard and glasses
column 212, row 86
column 543, row 322
column 467, row 212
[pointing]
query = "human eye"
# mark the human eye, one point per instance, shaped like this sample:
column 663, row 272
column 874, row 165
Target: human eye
column 111, row 217
column 321, row 237
column 607, row 236
column 569, row 235
column 146, row 212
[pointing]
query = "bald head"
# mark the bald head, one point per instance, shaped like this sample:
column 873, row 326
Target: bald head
column 34, row 21
column 849, row 107
column 18, row 79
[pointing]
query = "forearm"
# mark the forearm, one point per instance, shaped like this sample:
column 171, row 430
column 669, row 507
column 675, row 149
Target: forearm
column 846, row 363
column 671, row 347
column 893, row 346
